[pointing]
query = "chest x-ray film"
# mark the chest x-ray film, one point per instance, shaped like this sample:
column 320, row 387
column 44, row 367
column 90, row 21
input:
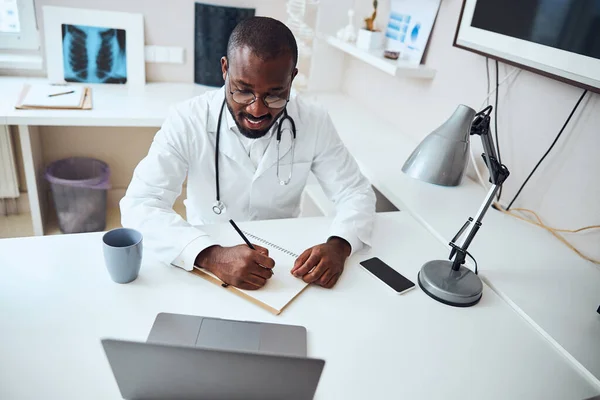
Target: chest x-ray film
column 94, row 54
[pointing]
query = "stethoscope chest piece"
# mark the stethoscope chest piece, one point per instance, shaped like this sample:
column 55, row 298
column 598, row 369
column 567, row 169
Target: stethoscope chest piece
column 219, row 207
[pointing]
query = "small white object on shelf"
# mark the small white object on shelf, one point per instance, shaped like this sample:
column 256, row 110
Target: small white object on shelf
column 304, row 33
column 369, row 40
column 375, row 58
column 348, row 33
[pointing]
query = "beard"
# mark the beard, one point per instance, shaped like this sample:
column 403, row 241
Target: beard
column 251, row 133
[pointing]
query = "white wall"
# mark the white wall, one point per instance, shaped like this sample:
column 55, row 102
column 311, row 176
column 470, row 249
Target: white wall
column 566, row 188
column 166, row 23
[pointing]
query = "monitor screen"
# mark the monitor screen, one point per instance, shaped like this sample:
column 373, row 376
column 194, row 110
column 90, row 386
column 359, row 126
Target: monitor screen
column 556, row 38
column 571, row 25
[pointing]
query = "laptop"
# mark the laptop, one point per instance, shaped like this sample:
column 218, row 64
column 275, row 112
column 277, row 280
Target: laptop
column 214, row 333
column 193, row 357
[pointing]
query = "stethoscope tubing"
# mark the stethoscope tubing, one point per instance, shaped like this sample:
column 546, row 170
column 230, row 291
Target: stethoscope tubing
column 219, row 206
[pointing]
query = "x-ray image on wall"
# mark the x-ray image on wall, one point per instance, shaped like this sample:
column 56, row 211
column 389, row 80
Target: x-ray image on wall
column 94, row 55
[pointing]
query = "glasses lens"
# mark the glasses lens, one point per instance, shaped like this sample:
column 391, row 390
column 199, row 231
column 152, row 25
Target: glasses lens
column 243, row 97
column 275, row 102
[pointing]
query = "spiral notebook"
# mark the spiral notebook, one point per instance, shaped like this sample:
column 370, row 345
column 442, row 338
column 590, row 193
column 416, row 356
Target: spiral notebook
column 280, row 290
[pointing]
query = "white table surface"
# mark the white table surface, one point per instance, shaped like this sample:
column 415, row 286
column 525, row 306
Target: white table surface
column 548, row 284
column 57, row 301
column 113, row 105
column 551, row 287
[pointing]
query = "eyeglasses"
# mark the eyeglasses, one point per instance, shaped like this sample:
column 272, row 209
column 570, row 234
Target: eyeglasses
column 247, row 97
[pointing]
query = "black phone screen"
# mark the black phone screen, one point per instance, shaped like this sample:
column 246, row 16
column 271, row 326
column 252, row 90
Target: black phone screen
column 387, row 275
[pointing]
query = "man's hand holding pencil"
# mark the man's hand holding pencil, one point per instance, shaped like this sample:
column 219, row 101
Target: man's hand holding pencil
column 244, row 266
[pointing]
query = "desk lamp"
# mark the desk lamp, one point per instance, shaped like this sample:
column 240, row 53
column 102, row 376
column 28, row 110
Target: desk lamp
column 441, row 158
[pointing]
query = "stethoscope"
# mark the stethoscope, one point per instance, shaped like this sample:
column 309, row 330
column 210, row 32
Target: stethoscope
column 219, row 207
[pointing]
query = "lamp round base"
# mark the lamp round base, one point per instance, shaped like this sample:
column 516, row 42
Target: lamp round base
column 460, row 288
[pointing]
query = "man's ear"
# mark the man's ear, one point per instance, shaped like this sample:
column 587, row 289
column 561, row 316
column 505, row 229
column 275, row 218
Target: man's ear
column 294, row 73
column 224, row 67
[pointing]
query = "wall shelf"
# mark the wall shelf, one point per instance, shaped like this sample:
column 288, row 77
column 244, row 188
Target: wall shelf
column 377, row 60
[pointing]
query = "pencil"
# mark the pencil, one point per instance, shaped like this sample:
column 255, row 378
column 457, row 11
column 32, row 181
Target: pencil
column 241, row 234
column 246, row 240
column 60, row 94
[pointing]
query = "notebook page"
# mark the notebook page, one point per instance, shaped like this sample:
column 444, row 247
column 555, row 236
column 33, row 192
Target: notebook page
column 282, row 287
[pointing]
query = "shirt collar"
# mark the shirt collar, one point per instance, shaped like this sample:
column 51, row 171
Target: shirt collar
column 230, row 121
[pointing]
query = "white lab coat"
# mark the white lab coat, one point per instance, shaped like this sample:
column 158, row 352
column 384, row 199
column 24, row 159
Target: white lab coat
column 185, row 147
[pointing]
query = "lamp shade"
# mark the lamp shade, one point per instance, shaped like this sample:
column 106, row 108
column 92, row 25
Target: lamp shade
column 442, row 157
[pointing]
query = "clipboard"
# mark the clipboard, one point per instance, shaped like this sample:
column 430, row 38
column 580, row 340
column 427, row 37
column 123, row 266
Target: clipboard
column 86, row 102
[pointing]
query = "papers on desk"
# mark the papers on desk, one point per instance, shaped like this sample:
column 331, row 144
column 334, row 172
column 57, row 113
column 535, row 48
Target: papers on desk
column 279, row 291
column 69, row 97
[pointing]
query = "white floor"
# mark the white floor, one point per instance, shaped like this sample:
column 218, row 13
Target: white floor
column 15, row 226
column 20, row 225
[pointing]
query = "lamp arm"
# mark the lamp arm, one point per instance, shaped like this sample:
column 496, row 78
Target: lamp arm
column 461, row 250
column 498, row 174
column 481, row 127
column 490, row 150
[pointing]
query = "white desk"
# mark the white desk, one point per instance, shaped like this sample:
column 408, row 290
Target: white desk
column 549, row 286
column 57, row 301
column 544, row 281
column 113, row 105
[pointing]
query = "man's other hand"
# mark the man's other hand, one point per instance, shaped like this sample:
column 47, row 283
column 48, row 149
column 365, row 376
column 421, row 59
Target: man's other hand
column 323, row 264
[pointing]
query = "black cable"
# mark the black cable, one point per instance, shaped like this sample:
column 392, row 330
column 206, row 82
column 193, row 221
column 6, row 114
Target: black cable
column 549, row 149
column 496, row 124
column 474, row 260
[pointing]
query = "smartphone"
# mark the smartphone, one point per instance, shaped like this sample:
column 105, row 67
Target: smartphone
column 392, row 278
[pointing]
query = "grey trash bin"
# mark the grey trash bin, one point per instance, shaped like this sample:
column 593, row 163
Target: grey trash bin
column 79, row 187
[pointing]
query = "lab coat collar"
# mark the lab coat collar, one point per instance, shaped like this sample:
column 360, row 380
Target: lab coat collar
column 270, row 157
column 229, row 145
column 231, row 125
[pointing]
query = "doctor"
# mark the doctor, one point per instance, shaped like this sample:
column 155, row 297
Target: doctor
column 246, row 150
